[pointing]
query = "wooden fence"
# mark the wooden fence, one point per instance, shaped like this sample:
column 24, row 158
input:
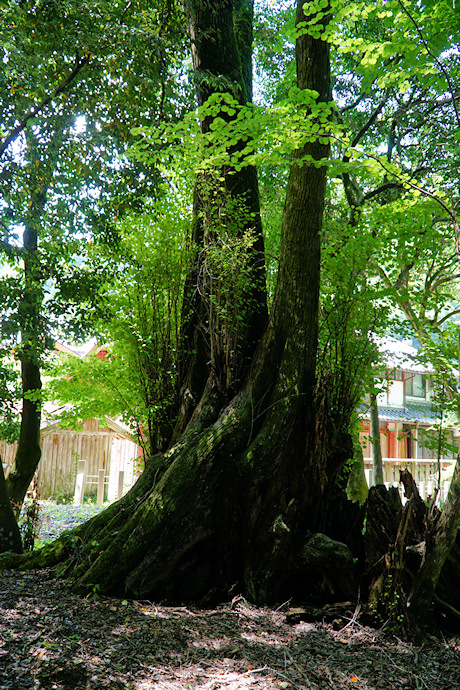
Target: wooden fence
column 424, row 472
column 102, row 482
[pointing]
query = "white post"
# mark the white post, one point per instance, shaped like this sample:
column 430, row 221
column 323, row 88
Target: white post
column 446, row 490
column 368, row 474
column 100, row 487
column 121, row 477
column 79, row 483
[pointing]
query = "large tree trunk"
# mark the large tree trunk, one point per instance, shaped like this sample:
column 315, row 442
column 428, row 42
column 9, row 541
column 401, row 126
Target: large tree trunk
column 221, row 37
column 225, row 508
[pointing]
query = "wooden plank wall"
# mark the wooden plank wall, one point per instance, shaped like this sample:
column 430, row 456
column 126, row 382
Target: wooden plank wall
column 61, row 451
column 124, row 458
column 7, row 453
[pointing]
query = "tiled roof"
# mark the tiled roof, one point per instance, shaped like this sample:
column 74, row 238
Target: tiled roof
column 411, row 412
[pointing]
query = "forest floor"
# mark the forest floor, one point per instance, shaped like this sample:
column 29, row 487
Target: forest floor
column 52, row 638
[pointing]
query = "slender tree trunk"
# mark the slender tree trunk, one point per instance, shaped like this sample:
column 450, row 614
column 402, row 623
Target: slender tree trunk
column 10, row 537
column 357, row 489
column 376, row 445
column 28, row 453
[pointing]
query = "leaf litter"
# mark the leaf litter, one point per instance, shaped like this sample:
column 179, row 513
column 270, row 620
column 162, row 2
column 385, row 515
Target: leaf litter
column 53, row 638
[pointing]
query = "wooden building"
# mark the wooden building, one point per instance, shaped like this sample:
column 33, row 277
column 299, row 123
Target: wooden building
column 104, row 445
column 410, row 423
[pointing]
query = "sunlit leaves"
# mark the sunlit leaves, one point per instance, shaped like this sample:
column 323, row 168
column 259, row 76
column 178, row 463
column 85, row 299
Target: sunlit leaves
column 240, row 135
column 136, row 312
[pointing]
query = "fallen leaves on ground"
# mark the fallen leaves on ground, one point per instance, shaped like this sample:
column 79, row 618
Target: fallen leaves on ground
column 51, row 638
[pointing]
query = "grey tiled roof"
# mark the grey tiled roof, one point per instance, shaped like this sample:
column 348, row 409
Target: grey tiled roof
column 418, row 412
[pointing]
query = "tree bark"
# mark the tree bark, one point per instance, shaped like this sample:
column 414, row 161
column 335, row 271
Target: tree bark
column 376, row 445
column 225, row 510
column 357, row 489
column 29, row 452
column 10, row 537
column 439, row 543
column 221, row 39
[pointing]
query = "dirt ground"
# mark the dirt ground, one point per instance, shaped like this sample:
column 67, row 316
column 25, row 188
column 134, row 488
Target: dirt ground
column 51, row 638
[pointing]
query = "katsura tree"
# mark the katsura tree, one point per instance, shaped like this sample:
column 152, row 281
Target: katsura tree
column 238, row 501
column 74, row 78
column 226, row 508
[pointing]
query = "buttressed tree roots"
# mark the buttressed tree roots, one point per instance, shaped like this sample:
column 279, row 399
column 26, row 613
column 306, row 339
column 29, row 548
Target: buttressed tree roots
column 246, row 500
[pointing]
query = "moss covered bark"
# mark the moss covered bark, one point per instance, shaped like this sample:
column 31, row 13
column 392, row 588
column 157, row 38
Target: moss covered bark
column 221, row 41
column 10, row 538
column 224, row 508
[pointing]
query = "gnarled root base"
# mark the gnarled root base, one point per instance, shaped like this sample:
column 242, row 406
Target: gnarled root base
column 205, row 521
column 395, row 545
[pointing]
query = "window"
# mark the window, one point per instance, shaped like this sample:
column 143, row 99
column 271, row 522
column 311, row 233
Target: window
column 407, row 439
column 416, row 385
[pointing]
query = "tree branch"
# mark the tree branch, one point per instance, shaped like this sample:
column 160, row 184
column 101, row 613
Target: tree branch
column 370, row 121
column 382, row 188
column 447, row 317
column 38, row 108
column 9, row 249
column 436, row 59
column 441, row 281
column 360, row 98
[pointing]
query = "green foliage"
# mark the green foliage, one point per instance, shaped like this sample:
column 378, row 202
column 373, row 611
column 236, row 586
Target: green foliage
column 10, row 393
column 228, row 277
column 74, row 78
column 239, row 135
column 137, row 315
column 350, row 315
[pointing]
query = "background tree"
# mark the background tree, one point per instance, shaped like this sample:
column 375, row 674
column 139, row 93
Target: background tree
column 401, row 106
column 61, row 107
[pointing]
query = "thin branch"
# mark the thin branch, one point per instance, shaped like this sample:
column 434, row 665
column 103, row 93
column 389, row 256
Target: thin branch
column 434, row 275
column 382, row 188
column 9, row 249
column 423, row 191
column 360, row 98
column 38, row 108
column 446, row 318
column 436, row 59
column 383, row 275
column 370, row 121
column 441, row 281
